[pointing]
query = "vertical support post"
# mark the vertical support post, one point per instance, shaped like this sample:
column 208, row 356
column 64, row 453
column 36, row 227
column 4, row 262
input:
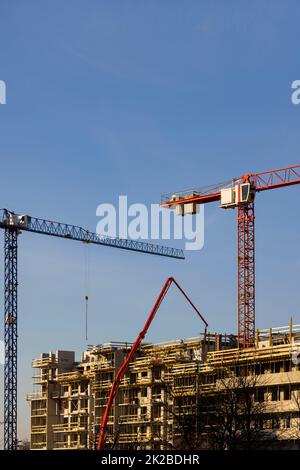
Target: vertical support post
column 246, row 275
column 10, row 338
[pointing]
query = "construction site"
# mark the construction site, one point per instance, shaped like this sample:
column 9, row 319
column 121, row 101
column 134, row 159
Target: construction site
column 168, row 395
column 146, row 148
column 163, row 386
column 177, row 394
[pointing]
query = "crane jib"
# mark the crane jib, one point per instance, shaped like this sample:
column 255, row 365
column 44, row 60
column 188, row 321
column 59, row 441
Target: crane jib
column 77, row 233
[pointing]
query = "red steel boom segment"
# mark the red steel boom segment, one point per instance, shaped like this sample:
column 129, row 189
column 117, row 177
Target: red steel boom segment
column 139, row 339
column 256, row 182
column 246, row 275
column 261, row 182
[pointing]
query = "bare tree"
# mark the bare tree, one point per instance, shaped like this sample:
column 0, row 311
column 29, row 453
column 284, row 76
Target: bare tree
column 24, row 444
column 230, row 417
column 234, row 416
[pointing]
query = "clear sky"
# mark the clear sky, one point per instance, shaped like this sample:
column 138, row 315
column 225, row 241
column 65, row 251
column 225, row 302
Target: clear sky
column 141, row 98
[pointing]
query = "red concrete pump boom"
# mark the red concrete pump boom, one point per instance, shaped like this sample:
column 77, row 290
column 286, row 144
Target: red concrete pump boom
column 140, row 337
column 239, row 193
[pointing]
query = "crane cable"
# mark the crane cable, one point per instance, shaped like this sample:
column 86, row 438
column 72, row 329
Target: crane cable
column 86, row 317
column 87, row 285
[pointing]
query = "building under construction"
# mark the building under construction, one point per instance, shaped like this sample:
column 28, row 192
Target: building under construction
column 164, row 383
column 53, row 412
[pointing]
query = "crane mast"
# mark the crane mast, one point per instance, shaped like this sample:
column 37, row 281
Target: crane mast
column 10, row 337
column 246, row 275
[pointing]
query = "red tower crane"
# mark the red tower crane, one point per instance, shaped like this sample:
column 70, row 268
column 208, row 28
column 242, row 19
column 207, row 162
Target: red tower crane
column 239, row 193
column 121, row 372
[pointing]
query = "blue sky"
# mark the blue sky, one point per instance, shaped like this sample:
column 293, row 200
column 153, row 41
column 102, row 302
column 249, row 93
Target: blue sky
column 143, row 98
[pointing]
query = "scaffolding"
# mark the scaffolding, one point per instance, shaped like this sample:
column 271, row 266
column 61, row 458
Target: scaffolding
column 163, row 379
